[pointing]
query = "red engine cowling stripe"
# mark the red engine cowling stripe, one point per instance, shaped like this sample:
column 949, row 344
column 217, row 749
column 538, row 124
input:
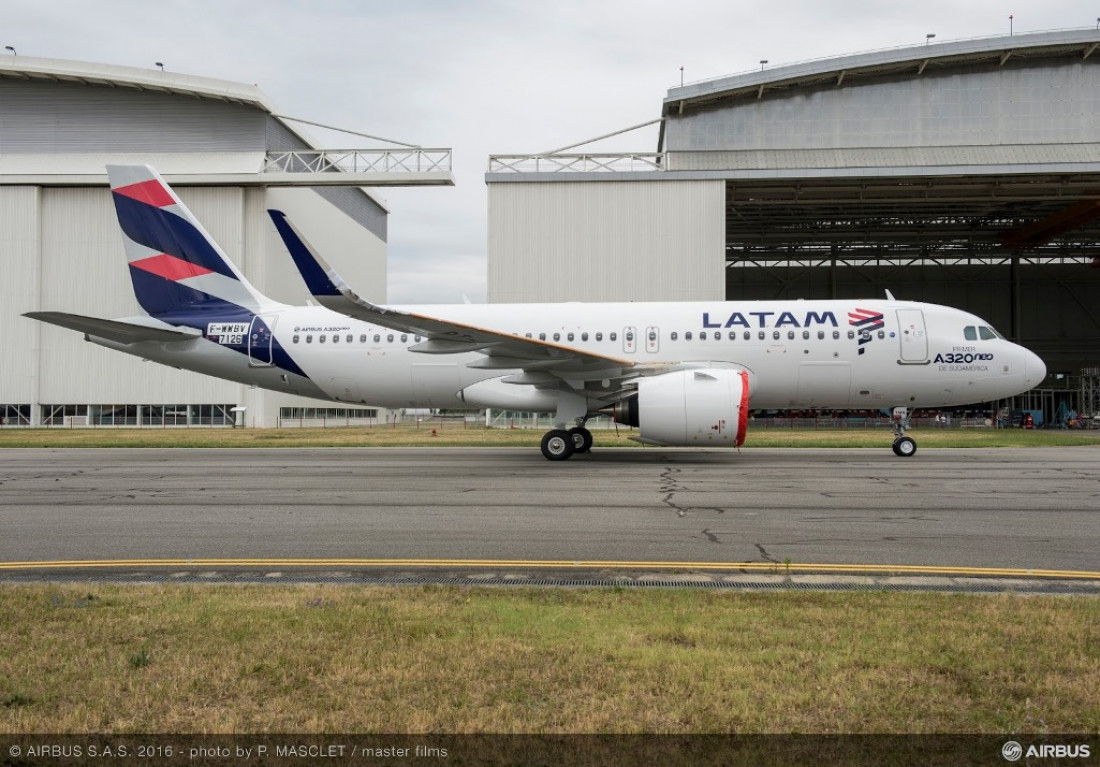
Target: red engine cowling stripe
column 743, row 413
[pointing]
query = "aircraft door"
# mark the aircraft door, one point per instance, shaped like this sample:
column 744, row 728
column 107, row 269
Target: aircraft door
column 914, row 337
column 260, row 339
column 652, row 340
column 630, row 340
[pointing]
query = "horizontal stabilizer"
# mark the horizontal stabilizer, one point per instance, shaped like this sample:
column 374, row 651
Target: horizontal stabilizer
column 114, row 330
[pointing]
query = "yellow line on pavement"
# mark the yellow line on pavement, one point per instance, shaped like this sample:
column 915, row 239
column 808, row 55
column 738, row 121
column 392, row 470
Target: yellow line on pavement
column 725, row 567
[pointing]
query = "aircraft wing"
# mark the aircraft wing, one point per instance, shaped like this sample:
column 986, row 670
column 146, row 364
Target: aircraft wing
column 502, row 350
column 114, row 330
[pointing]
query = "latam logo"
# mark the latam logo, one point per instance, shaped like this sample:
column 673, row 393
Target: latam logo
column 769, row 320
column 866, row 320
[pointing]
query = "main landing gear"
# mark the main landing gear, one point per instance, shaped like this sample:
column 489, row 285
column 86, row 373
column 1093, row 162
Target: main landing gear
column 561, row 444
column 904, row 446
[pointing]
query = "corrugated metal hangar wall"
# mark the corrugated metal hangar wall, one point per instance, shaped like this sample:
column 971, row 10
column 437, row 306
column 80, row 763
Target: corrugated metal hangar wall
column 62, row 250
column 606, row 241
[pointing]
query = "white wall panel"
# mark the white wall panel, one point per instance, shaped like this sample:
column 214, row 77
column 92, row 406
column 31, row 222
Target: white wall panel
column 19, row 247
column 606, row 241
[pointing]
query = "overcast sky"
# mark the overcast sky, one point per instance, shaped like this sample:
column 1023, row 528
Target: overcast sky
column 488, row 77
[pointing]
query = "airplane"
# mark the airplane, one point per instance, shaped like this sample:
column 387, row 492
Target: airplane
column 683, row 373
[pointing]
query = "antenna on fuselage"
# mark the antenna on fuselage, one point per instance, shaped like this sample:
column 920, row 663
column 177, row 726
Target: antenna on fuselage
column 889, row 295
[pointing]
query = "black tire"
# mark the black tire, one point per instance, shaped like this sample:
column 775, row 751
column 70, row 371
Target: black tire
column 558, row 445
column 582, row 439
column 905, row 447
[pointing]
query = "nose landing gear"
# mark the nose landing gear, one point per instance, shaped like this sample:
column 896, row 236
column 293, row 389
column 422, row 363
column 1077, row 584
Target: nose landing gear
column 904, row 446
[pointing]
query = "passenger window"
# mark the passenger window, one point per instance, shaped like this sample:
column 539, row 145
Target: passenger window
column 599, row 336
column 321, row 338
column 882, row 334
column 416, row 338
column 733, row 335
column 404, row 338
column 630, row 335
column 687, row 336
column 377, row 338
column 987, row 334
column 613, row 336
column 674, row 335
column 775, row 335
column 851, row 334
column 363, row 338
column 336, row 338
column 865, row 335
column 652, row 335
column 821, row 335
column 542, row 336
column 295, row 339
column 970, row 333
column 702, row 335
column 748, row 336
column 389, row 338
column 762, row 335
column 557, row 336
column 790, row 335
column 350, row 338
column 309, row 339
column 569, row 337
column 584, row 336
column 805, row 335
column 527, row 334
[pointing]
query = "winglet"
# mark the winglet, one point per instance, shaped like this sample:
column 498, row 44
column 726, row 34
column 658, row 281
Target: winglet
column 317, row 274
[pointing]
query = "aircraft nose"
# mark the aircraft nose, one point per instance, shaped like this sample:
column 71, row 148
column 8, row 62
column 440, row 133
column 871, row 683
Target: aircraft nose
column 1035, row 370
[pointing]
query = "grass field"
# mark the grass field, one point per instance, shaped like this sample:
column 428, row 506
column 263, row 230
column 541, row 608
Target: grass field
column 454, row 435
column 123, row 659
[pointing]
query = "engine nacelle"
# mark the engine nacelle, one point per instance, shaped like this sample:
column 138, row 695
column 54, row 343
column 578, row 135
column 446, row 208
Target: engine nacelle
column 706, row 407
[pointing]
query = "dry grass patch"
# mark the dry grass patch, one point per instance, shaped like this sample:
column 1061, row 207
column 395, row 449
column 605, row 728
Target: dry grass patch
column 363, row 659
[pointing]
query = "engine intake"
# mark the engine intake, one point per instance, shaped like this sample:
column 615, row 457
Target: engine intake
column 689, row 407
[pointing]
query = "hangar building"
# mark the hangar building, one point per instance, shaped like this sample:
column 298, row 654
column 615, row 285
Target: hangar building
column 965, row 173
column 231, row 156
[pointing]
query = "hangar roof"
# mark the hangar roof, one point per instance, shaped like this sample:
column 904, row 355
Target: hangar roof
column 909, row 61
column 310, row 165
column 58, row 70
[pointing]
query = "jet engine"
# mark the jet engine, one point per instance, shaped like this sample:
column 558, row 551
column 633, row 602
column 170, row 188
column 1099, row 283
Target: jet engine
column 708, row 406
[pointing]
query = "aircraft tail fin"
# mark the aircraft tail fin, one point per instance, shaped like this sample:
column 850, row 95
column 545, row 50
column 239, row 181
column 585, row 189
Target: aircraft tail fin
column 175, row 265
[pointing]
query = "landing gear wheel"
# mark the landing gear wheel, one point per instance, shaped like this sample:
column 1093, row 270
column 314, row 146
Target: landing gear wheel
column 558, row 445
column 582, row 439
column 904, row 447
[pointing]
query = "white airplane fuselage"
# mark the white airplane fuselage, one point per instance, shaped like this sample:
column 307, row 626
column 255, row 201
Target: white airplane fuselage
column 836, row 354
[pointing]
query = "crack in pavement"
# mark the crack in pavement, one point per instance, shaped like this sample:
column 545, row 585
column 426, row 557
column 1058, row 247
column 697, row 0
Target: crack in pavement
column 670, row 486
column 765, row 555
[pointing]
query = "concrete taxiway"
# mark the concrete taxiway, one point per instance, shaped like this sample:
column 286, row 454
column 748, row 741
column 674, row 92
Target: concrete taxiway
column 966, row 511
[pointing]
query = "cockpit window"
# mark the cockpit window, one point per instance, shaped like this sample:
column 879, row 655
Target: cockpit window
column 970, row 333
column 988, row 334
